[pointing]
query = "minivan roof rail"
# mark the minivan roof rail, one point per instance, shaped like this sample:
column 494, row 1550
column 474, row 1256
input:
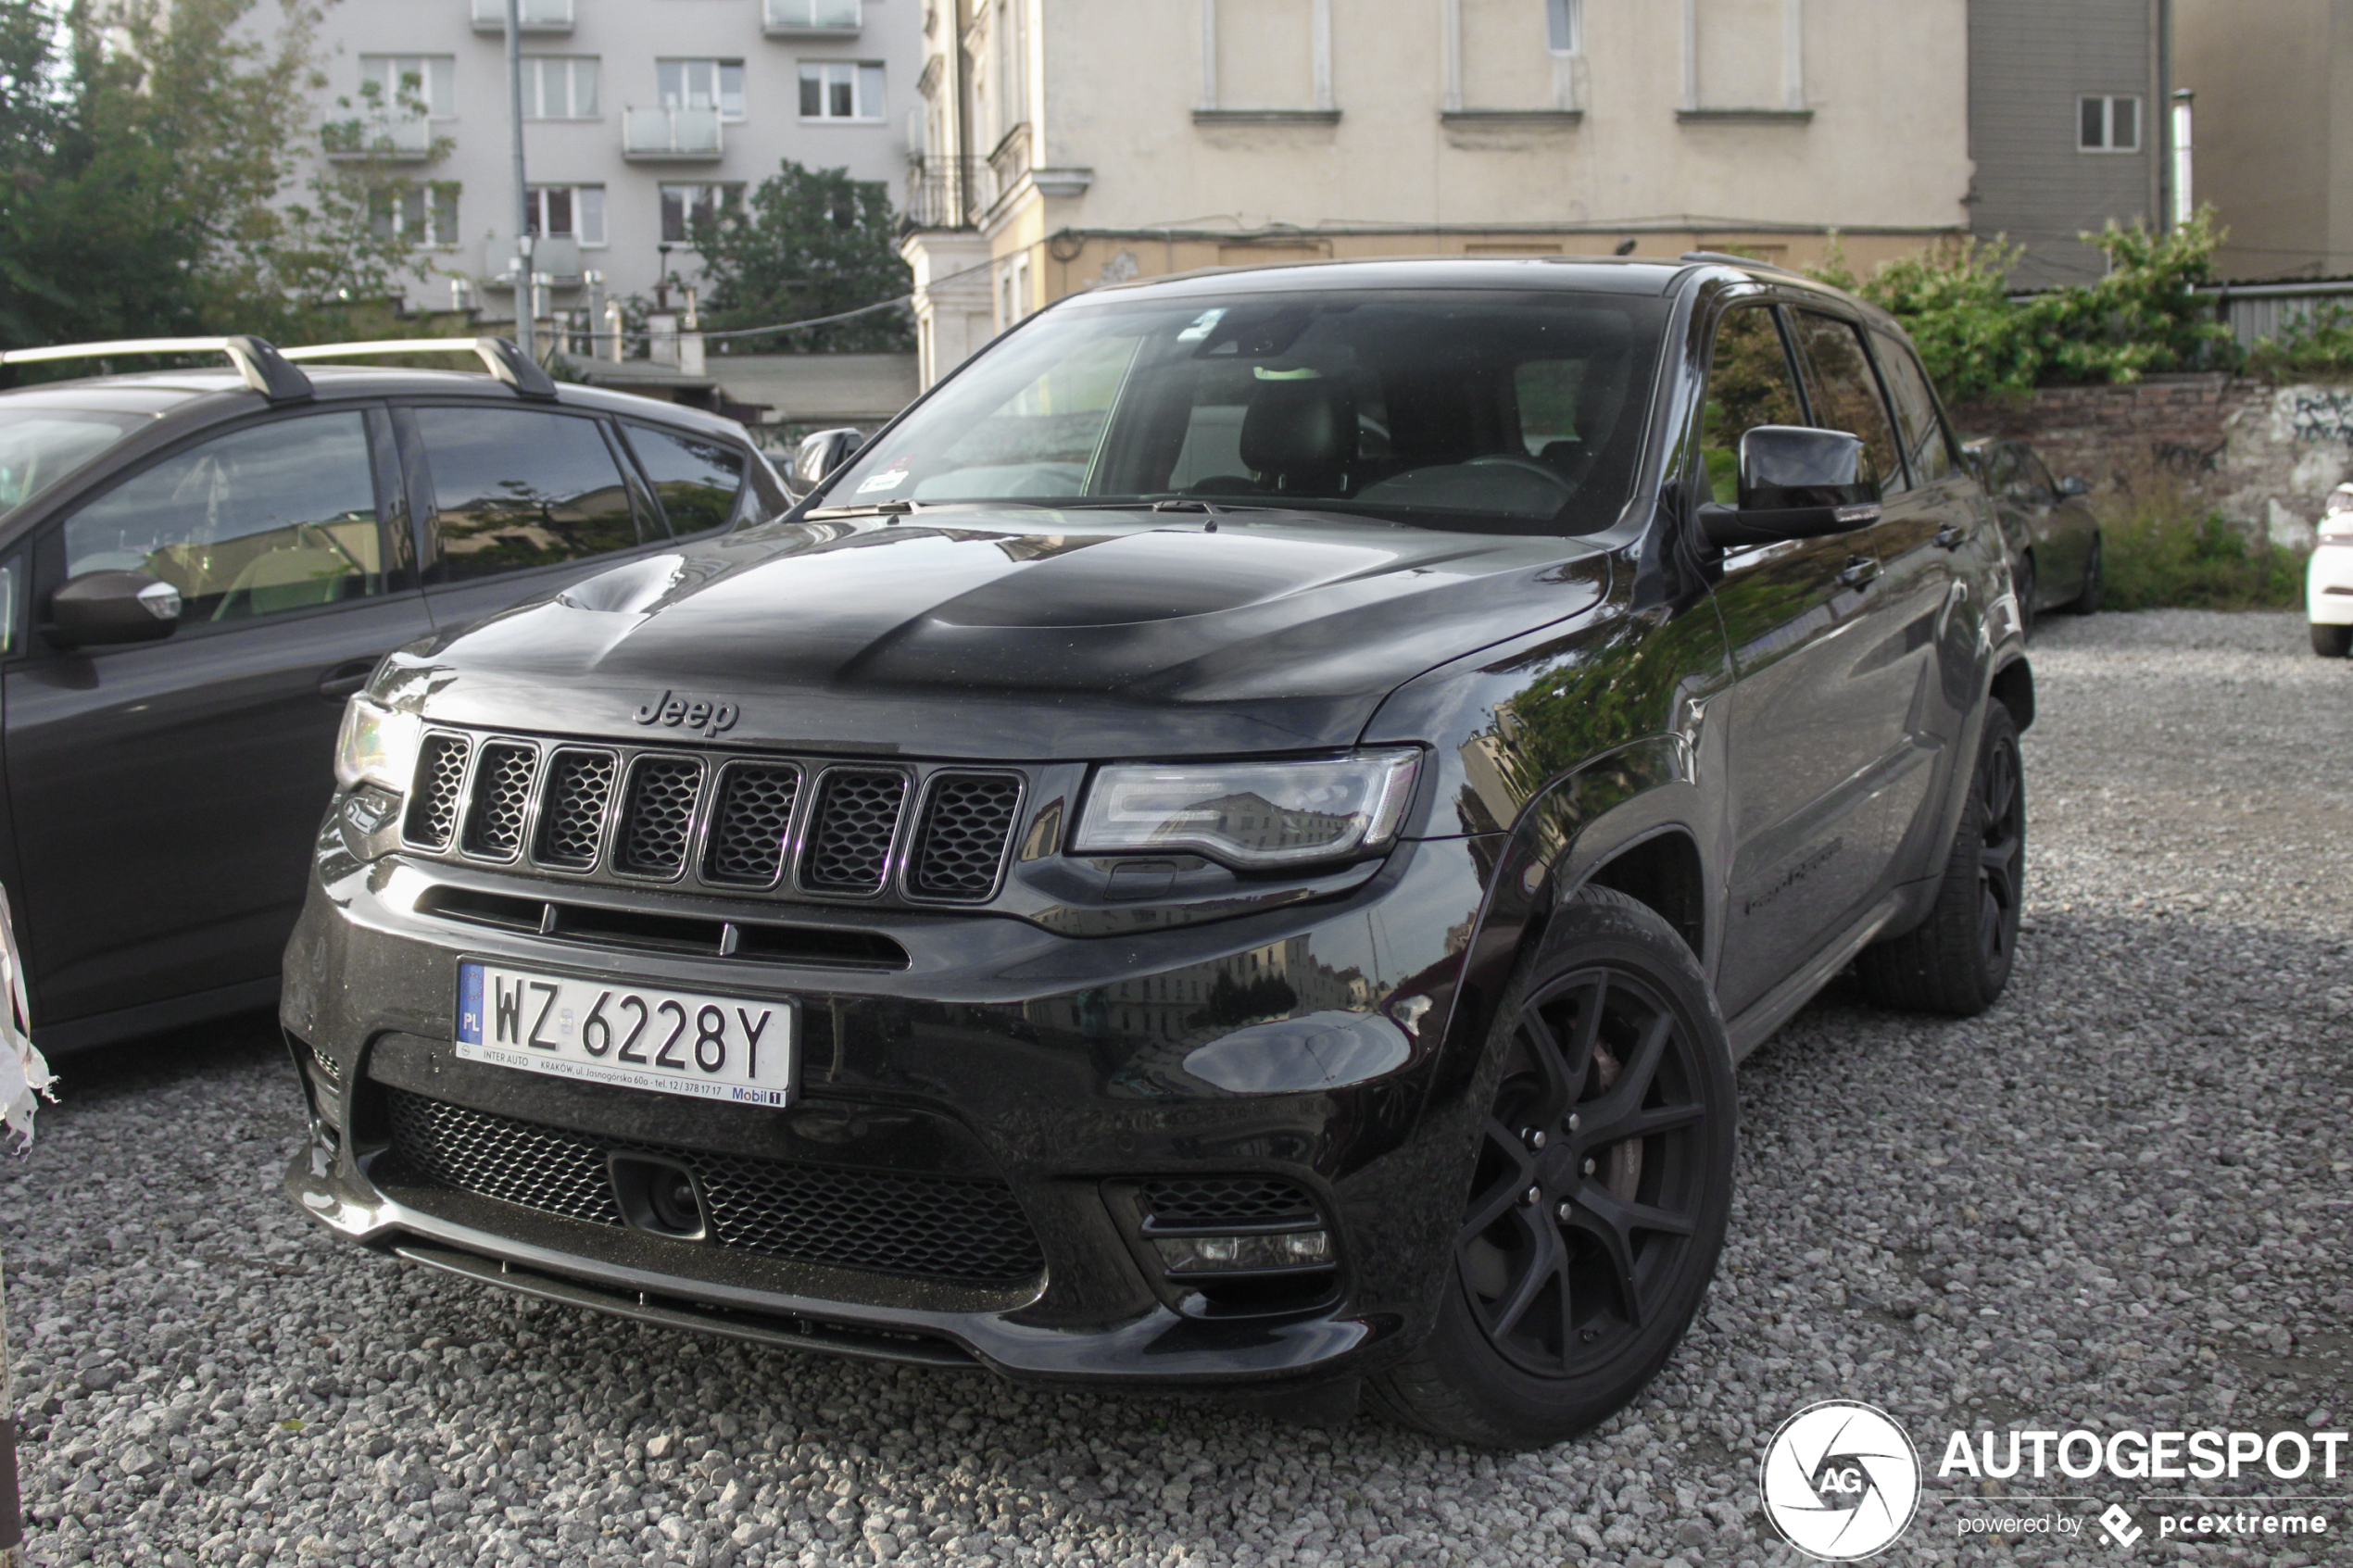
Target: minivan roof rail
column 498, row 356
column 1727, row 259
column 264, row 369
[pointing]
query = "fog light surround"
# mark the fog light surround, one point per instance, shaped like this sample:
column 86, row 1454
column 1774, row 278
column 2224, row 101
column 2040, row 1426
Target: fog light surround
column 1264, row 1253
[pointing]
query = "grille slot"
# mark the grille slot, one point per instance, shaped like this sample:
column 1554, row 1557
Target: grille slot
column 969, row 1229
column 572, row 818
column 433, row 804
column 502, row 791
column 1196, row 1202
column 961, row 844
column 747, row 826
column 497, row 1157
column 857, row 817
column 658, row 815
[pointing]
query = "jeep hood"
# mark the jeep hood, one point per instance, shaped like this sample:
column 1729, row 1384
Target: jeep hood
column 1018, row 634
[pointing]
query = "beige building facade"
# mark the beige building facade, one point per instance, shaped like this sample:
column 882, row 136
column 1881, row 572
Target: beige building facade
column 2273, row 134
column 1068, row 145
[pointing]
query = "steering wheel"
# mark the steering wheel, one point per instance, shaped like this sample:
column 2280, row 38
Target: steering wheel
column 1527, row 465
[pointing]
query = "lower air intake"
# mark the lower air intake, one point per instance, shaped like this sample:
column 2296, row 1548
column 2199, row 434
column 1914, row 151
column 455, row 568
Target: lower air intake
column 1199, row 1202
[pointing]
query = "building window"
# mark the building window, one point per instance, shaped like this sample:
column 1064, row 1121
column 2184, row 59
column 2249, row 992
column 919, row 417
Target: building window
column 560, row 87
column 2107, row 123
column 841, row 90
column 568, row 212
column 703, row 84
column 683, row 207
column 1565, row 26
column 422, row 215
column 1013, row 291
column 431, row 78
column 816, row 16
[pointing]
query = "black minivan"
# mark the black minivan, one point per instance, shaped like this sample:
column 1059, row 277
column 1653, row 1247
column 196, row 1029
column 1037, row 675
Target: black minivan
column 197, row 567
column 1235, row 844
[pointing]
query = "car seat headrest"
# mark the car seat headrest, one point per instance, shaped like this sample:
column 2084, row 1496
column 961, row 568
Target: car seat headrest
column 1301, row 425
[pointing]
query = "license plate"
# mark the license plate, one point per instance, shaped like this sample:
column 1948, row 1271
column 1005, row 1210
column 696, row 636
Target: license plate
column 636, row 1036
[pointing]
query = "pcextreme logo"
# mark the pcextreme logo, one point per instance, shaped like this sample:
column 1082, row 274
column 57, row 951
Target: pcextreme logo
column 1841, row 1480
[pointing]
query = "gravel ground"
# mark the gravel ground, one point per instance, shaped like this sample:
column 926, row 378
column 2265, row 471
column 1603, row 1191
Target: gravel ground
column 2118, row 1199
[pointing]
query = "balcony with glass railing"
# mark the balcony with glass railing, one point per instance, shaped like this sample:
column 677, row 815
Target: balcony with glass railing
column 392, row 138
column 669, row 136
column 534, row 16
column 812, row 19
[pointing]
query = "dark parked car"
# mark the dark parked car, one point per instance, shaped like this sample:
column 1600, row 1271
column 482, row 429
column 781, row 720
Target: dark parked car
column 2053, row 537
column 1235, row 844
column 197, row 567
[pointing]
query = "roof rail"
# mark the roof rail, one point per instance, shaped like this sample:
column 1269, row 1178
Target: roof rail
column 498, row 356
column 1726, row 258
column 264, row 369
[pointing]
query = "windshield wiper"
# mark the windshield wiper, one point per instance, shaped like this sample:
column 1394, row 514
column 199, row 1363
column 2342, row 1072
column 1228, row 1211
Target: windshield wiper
column 894, row 509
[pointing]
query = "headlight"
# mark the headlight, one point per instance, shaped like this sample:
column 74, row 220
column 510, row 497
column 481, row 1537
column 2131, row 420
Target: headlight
column 377, row 745
column 1250, row 814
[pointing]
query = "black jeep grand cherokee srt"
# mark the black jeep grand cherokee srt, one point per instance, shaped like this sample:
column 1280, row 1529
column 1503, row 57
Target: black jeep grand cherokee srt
column 1235, row 844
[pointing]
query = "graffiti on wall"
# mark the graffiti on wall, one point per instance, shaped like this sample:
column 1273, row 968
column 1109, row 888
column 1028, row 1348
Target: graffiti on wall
column 2324, row 414
column 2180, row 456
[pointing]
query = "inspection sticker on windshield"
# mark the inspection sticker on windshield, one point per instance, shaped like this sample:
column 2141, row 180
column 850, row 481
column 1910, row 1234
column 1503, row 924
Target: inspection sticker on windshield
column 889, row 479
column 634, row 1037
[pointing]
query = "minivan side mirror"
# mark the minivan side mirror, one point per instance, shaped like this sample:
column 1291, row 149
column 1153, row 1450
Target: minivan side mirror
column 100, row 607
column 819, row 454
column 2072, row 485
column 1795, row 483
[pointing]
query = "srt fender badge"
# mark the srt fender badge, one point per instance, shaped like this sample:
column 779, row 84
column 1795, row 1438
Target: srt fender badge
column 701, row 715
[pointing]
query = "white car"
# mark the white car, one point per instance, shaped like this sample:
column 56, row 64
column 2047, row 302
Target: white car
column 2328, row 581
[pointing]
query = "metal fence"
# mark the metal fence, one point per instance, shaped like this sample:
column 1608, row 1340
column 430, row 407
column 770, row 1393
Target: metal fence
column 944, row 193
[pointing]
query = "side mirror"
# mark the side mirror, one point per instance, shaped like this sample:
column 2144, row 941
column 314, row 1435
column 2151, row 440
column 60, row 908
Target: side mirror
column 820, row 453
column 1795, row 483
column 99, row 607
column 2072, row 486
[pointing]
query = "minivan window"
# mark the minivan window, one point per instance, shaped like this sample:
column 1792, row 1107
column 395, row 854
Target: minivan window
column 275, row 517
column 1925, row 446
column 516, row 488
column 38, row 446
column 1846, row 394
column 696, row 477
column 1487, row 410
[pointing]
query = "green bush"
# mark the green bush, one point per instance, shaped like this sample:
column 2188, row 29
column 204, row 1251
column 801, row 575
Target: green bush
column 2314, row 343
column 2159, row 558
column 1978, row 343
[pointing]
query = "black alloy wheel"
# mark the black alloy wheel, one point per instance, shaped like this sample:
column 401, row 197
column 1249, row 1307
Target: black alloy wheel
column 1600, row 1189
column 1959, row 960
column 2087, row 598
column 1590, row 1178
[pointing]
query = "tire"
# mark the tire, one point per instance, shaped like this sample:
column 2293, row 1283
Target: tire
column 1554, row 1313
column 2087, row 598
column 2023, row 583
column 2332, row 642
column 1959, row 960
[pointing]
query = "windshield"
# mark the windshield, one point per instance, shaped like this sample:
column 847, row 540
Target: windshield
column 38, row 446
column 1496, row 413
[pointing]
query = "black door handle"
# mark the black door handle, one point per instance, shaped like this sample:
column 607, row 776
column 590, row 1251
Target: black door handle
column 1858, row 570
column 1949, row 537
column 344, row 679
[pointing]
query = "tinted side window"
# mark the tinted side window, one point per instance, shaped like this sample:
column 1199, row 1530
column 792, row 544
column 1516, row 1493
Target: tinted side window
column 1749, row 383
column 277, row 517
column 517, row 488
column 2031, row 473
column 1926, row 447
column 696, row 477
column 1846, row 394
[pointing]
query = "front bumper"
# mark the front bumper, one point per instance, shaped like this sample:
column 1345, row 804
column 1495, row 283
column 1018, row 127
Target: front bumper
column 2328, row 585
column 1073, row 1071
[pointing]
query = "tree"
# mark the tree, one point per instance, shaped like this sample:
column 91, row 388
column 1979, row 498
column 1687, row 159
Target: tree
column 808, row 242
column 147, row 147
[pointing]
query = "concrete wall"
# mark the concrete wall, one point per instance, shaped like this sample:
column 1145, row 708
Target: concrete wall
column 2266, row 456
column 2273, row 143
column 2030, row 63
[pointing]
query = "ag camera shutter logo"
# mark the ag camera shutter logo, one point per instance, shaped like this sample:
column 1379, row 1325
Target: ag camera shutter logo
column 1841, row 1480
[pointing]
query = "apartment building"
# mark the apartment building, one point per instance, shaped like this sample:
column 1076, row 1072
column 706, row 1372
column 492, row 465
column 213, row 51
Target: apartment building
column 2273, row 85
column 1066, row 145
column 640, row 114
